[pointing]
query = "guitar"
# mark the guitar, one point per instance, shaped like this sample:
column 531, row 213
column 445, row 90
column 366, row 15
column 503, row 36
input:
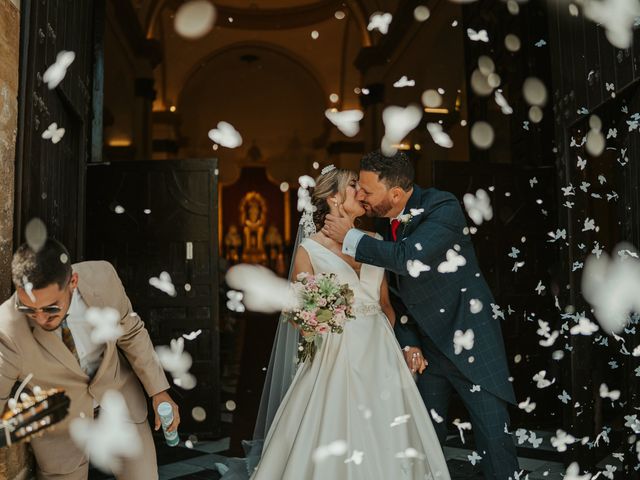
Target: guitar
column 33, row 415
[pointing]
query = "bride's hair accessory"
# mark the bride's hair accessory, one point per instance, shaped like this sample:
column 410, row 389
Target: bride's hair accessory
column 327, row 169
column 307, row 224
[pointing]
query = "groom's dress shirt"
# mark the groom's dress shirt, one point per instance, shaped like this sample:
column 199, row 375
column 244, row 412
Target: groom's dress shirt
column 89, row 353
column 353, row 236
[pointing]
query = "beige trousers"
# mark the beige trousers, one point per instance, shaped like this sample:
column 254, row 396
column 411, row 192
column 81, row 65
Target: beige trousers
column 145, row 466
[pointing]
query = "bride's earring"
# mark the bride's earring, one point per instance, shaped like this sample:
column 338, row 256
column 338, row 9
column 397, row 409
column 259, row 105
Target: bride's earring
column 335, row 204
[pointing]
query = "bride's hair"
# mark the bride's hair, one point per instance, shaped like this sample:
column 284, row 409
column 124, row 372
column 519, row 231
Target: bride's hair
column 328, row 184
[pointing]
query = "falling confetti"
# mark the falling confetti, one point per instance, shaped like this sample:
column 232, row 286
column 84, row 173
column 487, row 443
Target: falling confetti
column 380, row 21
column 56, row 72
column 541, row 380
column 105, row 323
column 110, row 438
column 398, row 122
column 416, row 267
column 502, row 103
column 528, row 406
column 610, row 285
column 226, row 135
column 193, row 335
column 194, row 19
column 463, row 341
column 439, row 136
column 461, row 426
column 482, row 135
column 478, row 206
column 334, row 449
column 53, row 133
column 453, row 261
column 421, row 13
column 404, row 82
column 164, row 284
column 346, row 121
column 401, row 420
column 431, row 98
column 479, row 36
column 356, row 457
column 263, row 290
column 616, row 16
column 36, row 234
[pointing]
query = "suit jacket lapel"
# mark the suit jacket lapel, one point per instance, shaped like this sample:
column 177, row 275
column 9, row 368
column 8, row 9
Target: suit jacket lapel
column 93, row 298
column 52, row 343
column 412, row 203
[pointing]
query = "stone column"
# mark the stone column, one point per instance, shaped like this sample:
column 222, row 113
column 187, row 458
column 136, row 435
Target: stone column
column 142, row 138
column 15, row 462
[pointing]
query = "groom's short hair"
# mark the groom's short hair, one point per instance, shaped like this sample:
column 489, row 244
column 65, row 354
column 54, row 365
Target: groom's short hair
column 46, row 266
column 395, row 171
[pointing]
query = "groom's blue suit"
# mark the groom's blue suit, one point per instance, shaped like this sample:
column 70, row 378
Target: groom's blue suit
column 437, row 304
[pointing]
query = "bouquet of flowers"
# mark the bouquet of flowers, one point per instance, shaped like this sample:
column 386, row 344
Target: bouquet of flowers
column 324, row 307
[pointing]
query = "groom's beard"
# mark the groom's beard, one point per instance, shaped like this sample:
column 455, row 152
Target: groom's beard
column 379, row 210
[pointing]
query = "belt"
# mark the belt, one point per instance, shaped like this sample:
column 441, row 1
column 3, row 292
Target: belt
column 366, row 309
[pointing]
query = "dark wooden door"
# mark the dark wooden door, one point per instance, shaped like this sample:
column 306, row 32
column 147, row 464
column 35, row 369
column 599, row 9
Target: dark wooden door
column 168, row 221
column 606, row 190
column 50, row 178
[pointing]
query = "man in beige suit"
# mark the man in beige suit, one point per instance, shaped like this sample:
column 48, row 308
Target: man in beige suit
column 43, row 332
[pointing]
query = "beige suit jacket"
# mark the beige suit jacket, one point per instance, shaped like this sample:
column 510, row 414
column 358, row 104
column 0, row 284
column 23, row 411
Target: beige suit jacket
column 128, row 362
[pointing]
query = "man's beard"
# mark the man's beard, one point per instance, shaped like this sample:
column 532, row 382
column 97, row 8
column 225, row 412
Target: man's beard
column 379, row 210
column 50, row 327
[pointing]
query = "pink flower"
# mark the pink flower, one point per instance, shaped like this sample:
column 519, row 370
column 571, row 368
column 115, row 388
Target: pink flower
column 312, row 321
column 322, row 328
column 322, row 302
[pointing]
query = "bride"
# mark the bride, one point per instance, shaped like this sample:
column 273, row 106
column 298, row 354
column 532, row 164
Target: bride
column 354, row 412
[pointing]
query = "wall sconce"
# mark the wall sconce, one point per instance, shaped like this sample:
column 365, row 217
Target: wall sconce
column 440, row 111
column 119, row 142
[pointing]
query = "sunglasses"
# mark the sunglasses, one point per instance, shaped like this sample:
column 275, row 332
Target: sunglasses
column 50, row 310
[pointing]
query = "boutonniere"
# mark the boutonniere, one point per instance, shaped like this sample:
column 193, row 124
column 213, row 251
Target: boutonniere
column 407, row 217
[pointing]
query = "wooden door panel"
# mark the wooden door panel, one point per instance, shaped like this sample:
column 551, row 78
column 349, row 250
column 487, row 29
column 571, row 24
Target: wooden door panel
column 168, row 205
column 50, row 177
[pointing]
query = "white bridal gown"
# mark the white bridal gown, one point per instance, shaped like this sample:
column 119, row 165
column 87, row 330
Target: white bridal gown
column 357, row 391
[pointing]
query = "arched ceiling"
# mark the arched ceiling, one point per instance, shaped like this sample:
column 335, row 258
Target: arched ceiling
column 274, row 102
column 330, row 57
column 264, row 4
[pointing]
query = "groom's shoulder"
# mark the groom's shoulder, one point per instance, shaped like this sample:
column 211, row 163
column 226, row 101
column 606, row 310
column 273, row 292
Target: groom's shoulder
column 96, row 271
column 432, row 195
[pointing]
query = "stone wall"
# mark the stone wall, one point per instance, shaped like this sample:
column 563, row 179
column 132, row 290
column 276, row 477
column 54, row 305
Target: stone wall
column 15, row 462
column 9, row 50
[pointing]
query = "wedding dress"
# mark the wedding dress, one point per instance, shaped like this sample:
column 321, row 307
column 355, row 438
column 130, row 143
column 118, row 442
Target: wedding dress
column 354, row 412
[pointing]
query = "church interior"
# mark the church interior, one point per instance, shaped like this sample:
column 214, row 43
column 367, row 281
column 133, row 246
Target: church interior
column 139, row 181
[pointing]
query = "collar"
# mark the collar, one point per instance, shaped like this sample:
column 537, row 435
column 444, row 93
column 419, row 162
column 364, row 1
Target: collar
column 398, row 217
column 77, row 307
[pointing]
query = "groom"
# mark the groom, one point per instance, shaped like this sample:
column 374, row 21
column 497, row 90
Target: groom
column 428, row 225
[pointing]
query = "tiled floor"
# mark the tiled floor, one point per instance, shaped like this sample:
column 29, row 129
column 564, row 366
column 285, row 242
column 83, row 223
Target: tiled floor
column 181, row 463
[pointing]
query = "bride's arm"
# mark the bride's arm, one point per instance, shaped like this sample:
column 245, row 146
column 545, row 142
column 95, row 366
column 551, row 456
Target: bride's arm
column 301, row 263
column 385, row 302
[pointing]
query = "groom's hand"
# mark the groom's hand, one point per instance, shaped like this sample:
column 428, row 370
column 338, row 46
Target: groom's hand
column 337, row 226
column 157, row 400
column 414, row 359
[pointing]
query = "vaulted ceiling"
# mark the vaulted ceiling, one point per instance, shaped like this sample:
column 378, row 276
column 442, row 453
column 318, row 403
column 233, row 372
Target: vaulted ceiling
column 274, row 66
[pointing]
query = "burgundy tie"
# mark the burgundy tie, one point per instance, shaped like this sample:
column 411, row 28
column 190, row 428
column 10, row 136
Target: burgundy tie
column 395, row 224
